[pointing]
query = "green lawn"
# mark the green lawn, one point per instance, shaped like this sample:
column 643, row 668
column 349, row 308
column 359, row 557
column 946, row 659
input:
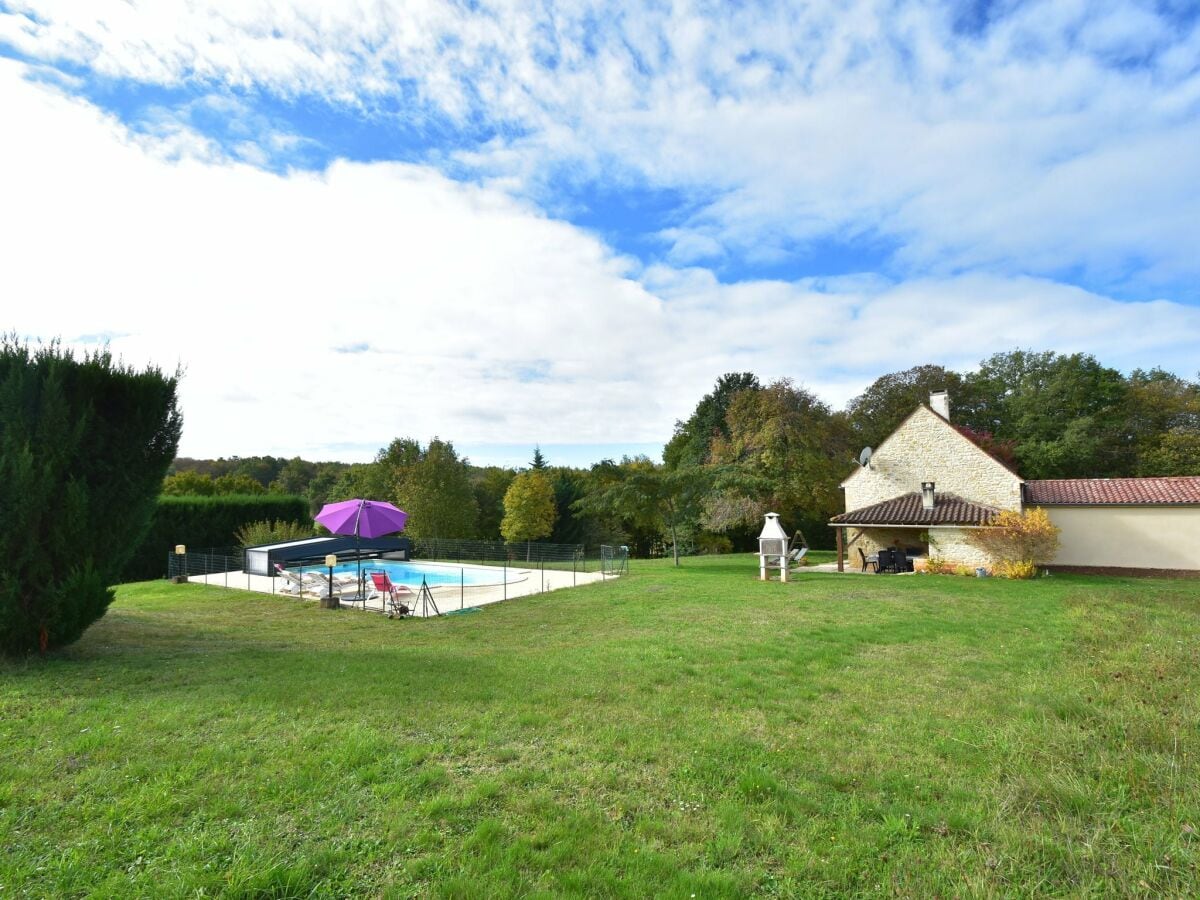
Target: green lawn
column 674, row 733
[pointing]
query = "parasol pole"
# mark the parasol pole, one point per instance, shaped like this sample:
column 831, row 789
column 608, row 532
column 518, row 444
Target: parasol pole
column 358, row 588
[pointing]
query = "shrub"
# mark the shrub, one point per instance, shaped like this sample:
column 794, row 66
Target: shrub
column 84, row 446
column 707, row 542
column 203, row 522
column 1016, row 569
column 1018, row 540
column 272, row 531
column 939, row 566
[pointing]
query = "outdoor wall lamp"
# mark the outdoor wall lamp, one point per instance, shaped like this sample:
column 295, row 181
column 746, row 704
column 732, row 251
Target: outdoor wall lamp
column 331, row 561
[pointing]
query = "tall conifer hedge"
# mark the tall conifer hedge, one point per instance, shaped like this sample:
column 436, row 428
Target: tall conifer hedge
column 202, row 523
column 84, row 445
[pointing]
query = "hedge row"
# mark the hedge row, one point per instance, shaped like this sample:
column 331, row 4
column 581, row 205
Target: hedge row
column 203, row 522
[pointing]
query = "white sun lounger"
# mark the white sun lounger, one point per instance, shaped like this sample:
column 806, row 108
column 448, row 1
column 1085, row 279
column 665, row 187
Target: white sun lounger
column 341, row 583
column 297, row 584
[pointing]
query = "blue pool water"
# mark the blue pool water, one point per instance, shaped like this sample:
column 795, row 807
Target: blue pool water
column 410, row 573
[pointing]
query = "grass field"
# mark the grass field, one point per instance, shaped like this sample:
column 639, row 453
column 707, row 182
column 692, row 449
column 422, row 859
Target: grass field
column 676, row 733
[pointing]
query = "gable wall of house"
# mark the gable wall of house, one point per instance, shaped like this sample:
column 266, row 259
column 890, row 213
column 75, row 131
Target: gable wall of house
column 926, row 448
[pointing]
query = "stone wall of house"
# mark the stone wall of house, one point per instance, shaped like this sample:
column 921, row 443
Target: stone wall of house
column 948, row 544
column 927, row 448
column 951, row 545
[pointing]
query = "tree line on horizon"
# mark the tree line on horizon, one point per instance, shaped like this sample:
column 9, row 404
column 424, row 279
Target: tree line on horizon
column 749, row 447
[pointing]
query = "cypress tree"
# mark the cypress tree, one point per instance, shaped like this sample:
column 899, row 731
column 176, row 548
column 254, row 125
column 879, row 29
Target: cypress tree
column 84, row 446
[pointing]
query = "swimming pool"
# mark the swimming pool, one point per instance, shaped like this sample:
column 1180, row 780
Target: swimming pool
column 435, row 574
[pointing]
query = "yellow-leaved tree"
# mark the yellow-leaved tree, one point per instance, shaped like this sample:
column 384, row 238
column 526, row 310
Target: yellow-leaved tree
column 1018, row 541
column 529, row 508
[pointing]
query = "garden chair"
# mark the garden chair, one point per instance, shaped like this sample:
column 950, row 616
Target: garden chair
column 872, row 560
column 900, row 560
column 796, row 557
column 393, row 594
column 886, row 561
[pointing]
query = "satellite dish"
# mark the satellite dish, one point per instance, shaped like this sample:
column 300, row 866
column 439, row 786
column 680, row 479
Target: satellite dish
column 864, row 458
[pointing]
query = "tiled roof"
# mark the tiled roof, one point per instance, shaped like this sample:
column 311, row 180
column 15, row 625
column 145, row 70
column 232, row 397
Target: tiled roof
column 1184, row 489
column 948, row 509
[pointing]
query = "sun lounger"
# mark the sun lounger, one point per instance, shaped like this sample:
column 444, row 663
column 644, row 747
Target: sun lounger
column 297, row 584
column 341, row 583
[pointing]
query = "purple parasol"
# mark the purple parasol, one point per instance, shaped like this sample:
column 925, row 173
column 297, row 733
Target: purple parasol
column 363, row 519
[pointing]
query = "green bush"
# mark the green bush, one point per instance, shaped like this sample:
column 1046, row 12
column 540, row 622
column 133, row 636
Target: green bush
column 84, row 446
column 204, row 522
column 273, row 531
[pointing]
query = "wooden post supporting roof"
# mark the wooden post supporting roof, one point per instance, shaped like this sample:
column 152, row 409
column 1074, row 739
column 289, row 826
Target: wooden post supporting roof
column 841, row 537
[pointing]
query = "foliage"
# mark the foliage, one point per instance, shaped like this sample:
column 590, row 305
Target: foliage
column 188, row 484
column 1163, row 422
column 1026, row 538
column 529, row 508
column 203, row 522
column 570, row 527
column 294, row 477
column 272, row 531
column 193, row 484
column 370, row 481
column 938, row 565
column 1019, row 569
column 539, row 461
column 489, row 484
column 692, row 441
column 1065, row 413
column 84, row 446
column 709, row 543
column 784, row 452
column 433, row 485
column 1172, row 454
column 878, row 411
column 262, row 469
column 237, row 484
column 649, row 497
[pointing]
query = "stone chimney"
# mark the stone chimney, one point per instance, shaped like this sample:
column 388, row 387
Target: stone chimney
column 939, row 402
column 927, row 495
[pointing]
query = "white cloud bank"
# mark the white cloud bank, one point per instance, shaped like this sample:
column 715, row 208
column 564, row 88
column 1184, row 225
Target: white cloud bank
column 323, row 314
column 1059, row 138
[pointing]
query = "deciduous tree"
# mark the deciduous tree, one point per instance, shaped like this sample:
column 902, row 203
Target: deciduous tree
column 529, row 508
column 877, row 411
column 188, row 484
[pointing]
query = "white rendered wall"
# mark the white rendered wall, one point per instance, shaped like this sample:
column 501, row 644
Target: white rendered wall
column 1134, row 537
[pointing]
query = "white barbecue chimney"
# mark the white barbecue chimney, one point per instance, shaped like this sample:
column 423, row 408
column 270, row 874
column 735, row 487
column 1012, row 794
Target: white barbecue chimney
column 773, row 548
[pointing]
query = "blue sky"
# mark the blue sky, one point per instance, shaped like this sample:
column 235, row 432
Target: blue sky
column 560, row 223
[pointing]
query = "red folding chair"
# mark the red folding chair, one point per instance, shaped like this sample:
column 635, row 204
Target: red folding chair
column 393, row 594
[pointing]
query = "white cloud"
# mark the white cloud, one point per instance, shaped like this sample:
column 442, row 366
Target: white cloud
column 1059, row 138
column 484, row 321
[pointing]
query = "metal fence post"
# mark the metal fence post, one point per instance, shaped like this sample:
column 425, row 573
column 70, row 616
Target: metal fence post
column 462, row 586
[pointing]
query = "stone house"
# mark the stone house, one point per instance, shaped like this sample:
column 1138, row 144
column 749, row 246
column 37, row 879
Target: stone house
column 927, row 486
